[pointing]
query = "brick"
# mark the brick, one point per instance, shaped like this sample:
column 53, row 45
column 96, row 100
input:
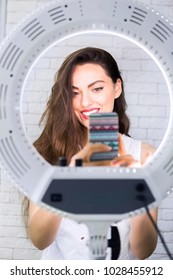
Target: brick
column 9, row 197
column 7, row 185
column 26, row 254
column 10, row 220
column 24, row 107
column 136, row 87
column 147, row 122
column 33, row 130
column 156, row 256
column 167, row 203
column 167, row 214
column 14, row 18
column 36, row 108
column 12, row 242
column 11, row 231
column 160, row 249
column 44, row 74
column 134, row 122
column 31, row 119
column 149, row 65
column 132, row 99
column 33, row 86
column 139, row 134
column 90, row 40
column 169, row 237
column 148, row 77
column 42, row 63
column 156, row 133
column 163, row 90
column 134, row 53
column 8, row 209
column 6, row 253
column 129, row 65
column 22, row 6
column 150, row 111
column 154, row 100
column 166, row 226
column 61, row 52
column 4, row 198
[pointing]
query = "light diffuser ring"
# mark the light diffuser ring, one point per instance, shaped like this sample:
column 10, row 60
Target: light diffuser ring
column 43, row 28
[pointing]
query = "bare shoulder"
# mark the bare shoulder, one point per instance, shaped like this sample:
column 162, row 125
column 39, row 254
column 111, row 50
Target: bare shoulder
column 147, row 150
column 33, row 208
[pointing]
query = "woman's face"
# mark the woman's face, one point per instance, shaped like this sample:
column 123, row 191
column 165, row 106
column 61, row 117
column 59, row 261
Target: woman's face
column 93, row 91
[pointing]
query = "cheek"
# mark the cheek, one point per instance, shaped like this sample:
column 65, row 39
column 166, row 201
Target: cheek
column 75, row 103
column 108, row 101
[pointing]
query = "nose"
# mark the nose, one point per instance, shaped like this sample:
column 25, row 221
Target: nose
column 86, row 99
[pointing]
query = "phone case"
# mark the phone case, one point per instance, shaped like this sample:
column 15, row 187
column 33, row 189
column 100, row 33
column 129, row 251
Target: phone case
column 103, row 128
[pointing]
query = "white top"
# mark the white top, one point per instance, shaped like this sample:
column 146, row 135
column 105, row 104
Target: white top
column 72, row 238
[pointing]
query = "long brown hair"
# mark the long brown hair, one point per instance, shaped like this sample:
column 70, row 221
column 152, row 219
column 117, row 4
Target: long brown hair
column 63, row 134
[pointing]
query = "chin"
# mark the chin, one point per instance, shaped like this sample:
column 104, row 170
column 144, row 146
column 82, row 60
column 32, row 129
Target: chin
column 86, row 124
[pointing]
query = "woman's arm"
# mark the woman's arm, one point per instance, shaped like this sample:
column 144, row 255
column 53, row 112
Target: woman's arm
column 42, row 226
column 143, row 236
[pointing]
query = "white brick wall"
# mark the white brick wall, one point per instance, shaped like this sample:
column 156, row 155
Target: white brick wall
column 146, row 95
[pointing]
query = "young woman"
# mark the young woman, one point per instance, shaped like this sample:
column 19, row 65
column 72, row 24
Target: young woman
column 88, row 82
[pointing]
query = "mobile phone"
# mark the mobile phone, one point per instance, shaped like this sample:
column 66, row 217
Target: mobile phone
column 103, row 128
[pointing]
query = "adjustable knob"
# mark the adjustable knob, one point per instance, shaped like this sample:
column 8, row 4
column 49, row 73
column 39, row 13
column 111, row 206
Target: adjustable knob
column 62, row 161
column 78, row 162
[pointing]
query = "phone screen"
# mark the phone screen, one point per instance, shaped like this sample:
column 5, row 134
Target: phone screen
column 103, row 128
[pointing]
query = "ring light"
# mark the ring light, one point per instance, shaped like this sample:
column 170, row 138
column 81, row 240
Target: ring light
column 88, row 193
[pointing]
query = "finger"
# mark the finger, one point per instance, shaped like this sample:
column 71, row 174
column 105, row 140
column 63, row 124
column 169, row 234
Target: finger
column 129, row 163
column 92, row 148
column 98, row 163
column 148, row 157
column 121, row 146
column 89, row 149
column 125, row 160
column 97, row 147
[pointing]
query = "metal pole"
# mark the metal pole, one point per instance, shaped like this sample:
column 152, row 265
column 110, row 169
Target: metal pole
column 3, row 17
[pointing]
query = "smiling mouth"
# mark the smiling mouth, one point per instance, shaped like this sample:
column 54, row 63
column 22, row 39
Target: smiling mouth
column 86, row 113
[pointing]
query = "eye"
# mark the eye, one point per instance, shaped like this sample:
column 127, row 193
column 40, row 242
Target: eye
column 75, row 93
column 98, row 89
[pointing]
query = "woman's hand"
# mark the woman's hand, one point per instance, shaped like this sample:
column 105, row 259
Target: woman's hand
column 122, row 160
column 86, row 153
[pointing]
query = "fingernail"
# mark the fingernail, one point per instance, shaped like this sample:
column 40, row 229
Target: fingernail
column 109, row 148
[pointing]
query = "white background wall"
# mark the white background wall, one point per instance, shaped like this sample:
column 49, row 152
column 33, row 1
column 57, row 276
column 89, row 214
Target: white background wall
column 148, row 109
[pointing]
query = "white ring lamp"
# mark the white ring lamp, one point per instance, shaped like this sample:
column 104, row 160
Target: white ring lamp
column 80, row 192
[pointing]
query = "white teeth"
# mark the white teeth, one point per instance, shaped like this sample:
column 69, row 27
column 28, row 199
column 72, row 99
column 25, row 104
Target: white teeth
column 90, row 112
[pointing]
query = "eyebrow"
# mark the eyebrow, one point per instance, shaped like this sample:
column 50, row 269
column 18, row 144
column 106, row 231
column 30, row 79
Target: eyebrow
column 92, row 84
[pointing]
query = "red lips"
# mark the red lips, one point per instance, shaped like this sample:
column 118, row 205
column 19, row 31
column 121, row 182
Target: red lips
column 85, row 113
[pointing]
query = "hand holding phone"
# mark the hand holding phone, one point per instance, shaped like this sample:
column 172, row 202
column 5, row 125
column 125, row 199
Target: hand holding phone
column 103, row 128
